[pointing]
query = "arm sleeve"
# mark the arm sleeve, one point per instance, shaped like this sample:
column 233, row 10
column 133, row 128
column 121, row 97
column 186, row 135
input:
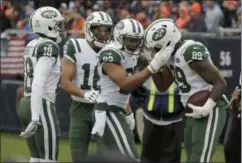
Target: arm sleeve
column 70, row 48
column 111, row 56
column 47, row 49
column 41, row 72
column 195, row 52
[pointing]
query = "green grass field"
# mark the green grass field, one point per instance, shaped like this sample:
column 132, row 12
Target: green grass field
column 12, row 145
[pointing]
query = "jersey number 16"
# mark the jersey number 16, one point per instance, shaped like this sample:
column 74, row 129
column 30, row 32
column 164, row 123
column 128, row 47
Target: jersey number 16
column 86, row 68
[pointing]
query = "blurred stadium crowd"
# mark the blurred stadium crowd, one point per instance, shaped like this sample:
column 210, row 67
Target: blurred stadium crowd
column 189, row 15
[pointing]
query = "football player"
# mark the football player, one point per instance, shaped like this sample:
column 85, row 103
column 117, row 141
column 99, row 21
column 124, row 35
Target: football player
column 80, row 79
column 191, row 67
column 41, row 75
column 116, row 65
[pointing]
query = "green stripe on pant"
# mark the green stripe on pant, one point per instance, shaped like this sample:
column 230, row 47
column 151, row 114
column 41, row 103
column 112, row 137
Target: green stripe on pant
column 206, row 155
column 44, row 143
column 49, row 139
column 118, row 136
column 201, row 135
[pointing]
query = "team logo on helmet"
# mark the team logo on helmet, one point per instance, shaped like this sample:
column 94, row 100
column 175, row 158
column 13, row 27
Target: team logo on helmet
column 49, row 14
column 90, row 17
column 120, row 26
column 159, row 34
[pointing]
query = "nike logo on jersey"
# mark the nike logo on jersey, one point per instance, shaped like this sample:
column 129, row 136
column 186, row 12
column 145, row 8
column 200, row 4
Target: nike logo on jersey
column 195, row 48
column 109, row 53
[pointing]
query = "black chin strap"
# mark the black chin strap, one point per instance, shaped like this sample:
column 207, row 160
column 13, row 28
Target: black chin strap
column 178, row 45
column 96, row 49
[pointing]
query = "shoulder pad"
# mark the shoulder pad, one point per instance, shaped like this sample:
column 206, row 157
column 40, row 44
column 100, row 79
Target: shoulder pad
column 47, row 48
column 71, row 47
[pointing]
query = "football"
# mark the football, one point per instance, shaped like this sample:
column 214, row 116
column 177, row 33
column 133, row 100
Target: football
column 198, row 99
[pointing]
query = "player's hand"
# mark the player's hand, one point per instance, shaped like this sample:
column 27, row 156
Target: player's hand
column 160, row 59
column 235, row 95
column 130, row 120
column 205, row 110
column 91, row 96
column 31, row 129
column 198, row 111
column 234, row 102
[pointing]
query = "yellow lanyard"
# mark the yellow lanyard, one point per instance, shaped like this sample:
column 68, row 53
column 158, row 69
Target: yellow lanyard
column 152, row 96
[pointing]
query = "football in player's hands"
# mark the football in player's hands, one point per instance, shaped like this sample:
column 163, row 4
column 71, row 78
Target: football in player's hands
column 198, row 99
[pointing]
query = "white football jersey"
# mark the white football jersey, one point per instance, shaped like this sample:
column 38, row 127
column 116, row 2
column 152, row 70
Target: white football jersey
column 187, row 80
column 110, row 92
column 79, row 52
column 33, row 51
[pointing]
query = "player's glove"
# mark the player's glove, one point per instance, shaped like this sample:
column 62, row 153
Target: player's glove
column 130, row 120
column 160, row 59
column 199, row 112
column 31, row 129
column 91, row 96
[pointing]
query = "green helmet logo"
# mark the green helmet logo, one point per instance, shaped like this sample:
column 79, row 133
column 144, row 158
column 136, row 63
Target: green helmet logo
column 120, row 25
column 49, row 14
column 159, row 34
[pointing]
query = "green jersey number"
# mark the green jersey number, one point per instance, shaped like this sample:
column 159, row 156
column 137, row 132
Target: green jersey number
column 28, row 74
column 96, row 77
column 180, row 79
column 129, row 71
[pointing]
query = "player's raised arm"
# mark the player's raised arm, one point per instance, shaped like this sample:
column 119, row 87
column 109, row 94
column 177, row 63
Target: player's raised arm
column 123, row 78
column 119, row 76
column 162, row 79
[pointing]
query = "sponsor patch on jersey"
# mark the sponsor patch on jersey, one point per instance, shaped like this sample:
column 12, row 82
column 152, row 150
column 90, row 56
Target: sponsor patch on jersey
column 49, row 14
column 37, row 24
column 177, row 60
column 159, row 34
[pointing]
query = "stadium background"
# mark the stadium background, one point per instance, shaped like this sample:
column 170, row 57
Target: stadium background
column 222, row 39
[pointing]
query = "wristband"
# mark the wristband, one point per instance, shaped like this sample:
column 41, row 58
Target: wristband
column 210, row 104
column 151, row 69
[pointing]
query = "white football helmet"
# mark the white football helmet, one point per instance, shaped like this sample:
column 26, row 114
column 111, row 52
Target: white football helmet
column 47, row 21
column 132, row 31
column 98, row 19
column 160, row 34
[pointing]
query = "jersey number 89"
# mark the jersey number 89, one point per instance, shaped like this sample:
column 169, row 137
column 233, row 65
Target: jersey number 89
column 180, row 79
